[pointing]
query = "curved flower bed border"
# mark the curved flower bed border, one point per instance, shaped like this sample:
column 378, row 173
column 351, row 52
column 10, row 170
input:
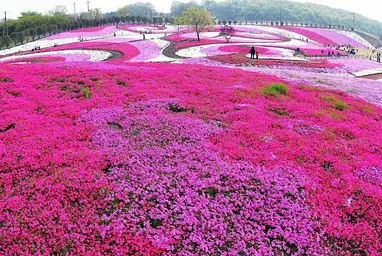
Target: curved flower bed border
column 240, row 58
column 122, row 52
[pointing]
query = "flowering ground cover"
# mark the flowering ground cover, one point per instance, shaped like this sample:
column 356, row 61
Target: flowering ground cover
column 312, row 35
column 138, row 28
column 129, row 158
column 338, row 38
column 259, row 157
column 242, row 58
column 357, row 65
column 127, row 51
column 87, row 32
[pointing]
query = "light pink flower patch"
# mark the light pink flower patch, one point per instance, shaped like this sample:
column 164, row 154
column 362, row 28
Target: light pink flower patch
column 88, row 32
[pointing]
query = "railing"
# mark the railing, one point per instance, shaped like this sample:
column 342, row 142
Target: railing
column 291, row 24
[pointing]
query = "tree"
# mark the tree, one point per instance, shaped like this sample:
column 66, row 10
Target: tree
column 197, row 18
column 179, row 20
column 6, row 41
column 95, row 14
column 227, row 32
column 21, row 37
column 33, row 33
column 142, row 9
column 58, row 10
column 15, row 37
column 123, row 11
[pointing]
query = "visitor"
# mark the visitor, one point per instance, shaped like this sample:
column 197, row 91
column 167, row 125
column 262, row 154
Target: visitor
column 252, row 52
column 257, row 55
column 144, row 36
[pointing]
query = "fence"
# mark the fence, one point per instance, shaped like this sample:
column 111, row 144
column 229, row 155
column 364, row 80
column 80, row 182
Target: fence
column 287, row 24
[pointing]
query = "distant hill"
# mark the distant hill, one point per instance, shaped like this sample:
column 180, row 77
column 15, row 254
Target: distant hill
column 269, row 10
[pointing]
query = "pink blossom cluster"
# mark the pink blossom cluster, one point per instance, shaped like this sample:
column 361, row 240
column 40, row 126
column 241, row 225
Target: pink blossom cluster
column 130, row 159
column 148, row 50
column 356, row 65
column 126, row 51
column 337, row 38
column 86, row 32
column 312, row 35
column 178, row 192
column 246, row 49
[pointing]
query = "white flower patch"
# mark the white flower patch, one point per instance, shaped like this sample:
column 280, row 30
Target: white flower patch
column 286, row 52
column 202, row 35
column 161, row 43
column 251, row 40
column 247, row 34
column 94, row 55
column 192, row 52
column 267, row 57
column 356, row 37
column 162, row 58
column 296, row 43
column 368, row 72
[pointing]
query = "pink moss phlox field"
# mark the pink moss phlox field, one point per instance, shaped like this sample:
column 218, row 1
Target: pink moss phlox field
column 153, row 29
column 246, row 49
column 127, row 51
column 127, row 159
column 356, row 65
column 148, row 50
column 86, row 32
column 336, row 37
column 180, row 194
column 312, row 35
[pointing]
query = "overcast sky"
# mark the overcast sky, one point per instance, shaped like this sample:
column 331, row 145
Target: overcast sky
column 369, row 8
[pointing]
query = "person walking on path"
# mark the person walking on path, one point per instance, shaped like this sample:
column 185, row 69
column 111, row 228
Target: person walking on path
column 252, row 52
column 257, row 55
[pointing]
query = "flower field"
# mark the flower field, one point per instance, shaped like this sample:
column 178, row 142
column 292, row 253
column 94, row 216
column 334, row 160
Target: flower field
column 105, row 153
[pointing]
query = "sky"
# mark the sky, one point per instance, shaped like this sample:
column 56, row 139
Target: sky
column 368, row 8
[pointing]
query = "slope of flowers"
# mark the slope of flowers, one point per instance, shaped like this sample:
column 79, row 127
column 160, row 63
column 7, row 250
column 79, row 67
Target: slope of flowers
column 282, row 32
column 242, row 59
column 357, row 38
column 103, row 160
column 357, row 65
column 127, row 51
column 312, row 35
column 86, row 32
column 335, row 36
column 153, row 29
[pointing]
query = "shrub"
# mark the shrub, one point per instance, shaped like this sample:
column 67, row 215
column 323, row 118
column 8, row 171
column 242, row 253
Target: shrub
column 336, row 103
column 86, row 92
column 275, row 89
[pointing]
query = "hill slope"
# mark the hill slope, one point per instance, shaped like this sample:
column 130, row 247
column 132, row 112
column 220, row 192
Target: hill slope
column 269, row 10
